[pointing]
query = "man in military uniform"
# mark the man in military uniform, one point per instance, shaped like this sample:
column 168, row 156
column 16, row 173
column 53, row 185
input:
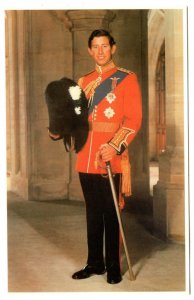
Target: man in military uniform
column 115, row 114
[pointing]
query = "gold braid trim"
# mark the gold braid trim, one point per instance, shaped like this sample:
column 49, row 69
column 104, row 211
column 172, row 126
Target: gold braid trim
column 89, row 87
column 126, row 174
column 125, row 183
column 120, row 137
column 103, row 126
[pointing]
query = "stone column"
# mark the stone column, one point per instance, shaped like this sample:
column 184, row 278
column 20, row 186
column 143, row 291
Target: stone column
column 168, row 202
column 16, row 104
column 83, row 23
column 36, row 54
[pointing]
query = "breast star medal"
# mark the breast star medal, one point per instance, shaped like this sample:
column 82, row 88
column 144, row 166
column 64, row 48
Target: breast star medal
column 109, row 112
column 110, row 97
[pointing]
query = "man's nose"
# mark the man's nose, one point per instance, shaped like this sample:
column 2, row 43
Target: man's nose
column 100, row 50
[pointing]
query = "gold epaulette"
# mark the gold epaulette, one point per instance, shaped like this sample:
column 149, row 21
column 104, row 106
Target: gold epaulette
column 80, row 81
column 125, row 70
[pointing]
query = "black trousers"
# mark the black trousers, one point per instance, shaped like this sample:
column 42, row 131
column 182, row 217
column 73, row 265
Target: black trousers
column 101, row 218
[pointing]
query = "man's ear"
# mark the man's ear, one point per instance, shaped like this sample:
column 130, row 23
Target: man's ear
column 113, row 49
column 90, row 51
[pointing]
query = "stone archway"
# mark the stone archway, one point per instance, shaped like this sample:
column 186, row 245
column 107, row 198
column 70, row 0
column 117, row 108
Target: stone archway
column 156, row 33
column 168, row 194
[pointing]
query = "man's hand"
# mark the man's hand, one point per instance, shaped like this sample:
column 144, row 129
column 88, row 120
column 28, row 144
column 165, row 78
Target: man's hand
column 107, row 152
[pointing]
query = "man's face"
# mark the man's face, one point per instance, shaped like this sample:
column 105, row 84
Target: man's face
column 101, row 51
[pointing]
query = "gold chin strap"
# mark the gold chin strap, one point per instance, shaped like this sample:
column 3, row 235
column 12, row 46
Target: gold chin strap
column 71, row 146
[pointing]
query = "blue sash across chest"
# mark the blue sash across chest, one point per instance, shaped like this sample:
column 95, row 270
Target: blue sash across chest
column 106, row 87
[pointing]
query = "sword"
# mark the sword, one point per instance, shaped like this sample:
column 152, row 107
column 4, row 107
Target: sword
column 110, row 176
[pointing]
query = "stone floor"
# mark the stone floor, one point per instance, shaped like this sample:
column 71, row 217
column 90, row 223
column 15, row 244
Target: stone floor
column 47, row 243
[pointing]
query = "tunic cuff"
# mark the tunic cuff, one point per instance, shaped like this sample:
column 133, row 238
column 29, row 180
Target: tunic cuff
column 120, row 139
column 123, row 147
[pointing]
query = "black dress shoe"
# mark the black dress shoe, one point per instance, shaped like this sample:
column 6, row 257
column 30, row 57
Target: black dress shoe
column 88, row 271
column 114, row 277
column 114, row 273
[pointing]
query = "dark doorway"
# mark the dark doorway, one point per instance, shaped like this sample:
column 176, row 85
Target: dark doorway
column 160, row 104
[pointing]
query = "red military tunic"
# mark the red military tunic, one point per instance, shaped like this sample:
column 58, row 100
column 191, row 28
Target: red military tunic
column 116, row 119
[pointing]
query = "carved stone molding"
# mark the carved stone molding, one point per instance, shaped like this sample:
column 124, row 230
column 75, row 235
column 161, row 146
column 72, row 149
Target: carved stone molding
column 61, row 16
column 89, row 19
column 155, row 14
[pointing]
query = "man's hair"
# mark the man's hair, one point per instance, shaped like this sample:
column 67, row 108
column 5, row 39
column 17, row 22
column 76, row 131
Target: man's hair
column 98, row 33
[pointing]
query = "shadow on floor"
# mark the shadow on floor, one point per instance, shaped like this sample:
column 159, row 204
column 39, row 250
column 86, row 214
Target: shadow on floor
column 60, row 221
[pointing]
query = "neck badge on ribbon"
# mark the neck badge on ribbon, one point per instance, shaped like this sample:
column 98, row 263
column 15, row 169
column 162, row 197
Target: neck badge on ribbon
column 106, row 89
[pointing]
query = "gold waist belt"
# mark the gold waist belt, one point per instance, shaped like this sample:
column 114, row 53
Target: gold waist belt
column 103, row 126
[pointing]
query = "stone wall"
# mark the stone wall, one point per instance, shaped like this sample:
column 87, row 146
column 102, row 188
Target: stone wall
column 55, row 45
